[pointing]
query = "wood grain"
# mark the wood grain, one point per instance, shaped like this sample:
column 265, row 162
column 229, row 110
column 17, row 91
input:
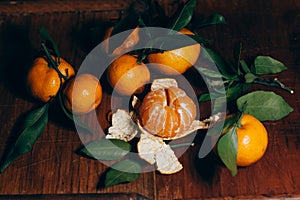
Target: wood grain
column 55, row 171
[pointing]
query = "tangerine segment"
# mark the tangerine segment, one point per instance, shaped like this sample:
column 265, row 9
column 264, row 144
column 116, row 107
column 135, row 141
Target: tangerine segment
column 167, row 112
column 184, row 105
column 252, row 140
column 153, row 109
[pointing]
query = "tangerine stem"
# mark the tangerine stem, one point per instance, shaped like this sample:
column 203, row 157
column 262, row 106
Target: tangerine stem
column 182, row 145
column 53, row 64
column 273, row 83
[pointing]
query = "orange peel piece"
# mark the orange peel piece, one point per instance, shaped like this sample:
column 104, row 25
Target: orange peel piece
column 123, row 127
column 155, row 151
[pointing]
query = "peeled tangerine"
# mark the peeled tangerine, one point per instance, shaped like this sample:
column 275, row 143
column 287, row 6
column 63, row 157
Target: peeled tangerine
column 167, row 112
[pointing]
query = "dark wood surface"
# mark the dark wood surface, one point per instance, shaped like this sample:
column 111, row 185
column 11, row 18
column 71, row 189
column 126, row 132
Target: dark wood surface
column 54, row 171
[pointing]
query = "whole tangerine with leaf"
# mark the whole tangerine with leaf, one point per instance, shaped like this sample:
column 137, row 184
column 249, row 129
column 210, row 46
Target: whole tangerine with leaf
column 82, row 94
column 178, row 60
column 243, row 142
column 252, row 141
column 44, row 80
column 127, row 75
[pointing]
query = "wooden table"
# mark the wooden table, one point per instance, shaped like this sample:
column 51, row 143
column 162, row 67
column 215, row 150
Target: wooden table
column 54, row 171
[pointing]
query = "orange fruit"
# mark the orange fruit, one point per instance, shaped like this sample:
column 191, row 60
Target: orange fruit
column 126, row 76
column 177, row 60
column 127, row 45
column 167, row 112
column 43, row 82
column 82, row 94
column 252, row 141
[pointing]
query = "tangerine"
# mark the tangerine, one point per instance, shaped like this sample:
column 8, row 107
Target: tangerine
column 43, row 81
column 82, row 94
column 175, row 61
column 252, row 140
column 126, row 76
column 167, row 112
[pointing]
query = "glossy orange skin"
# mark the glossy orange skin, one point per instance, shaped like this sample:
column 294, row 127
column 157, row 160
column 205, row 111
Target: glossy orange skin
column 82, row 94
column 126, row 76
column 176, row 61
column 43, row 82
column 252, row 141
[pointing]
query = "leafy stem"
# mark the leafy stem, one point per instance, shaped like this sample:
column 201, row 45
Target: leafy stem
column 272, row 83
column 182, row 145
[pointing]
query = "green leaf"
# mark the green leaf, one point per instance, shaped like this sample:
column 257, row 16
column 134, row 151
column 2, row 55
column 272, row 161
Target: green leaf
column 45, row 35
column 264, row 105
column 220, row 104
column 230, row 122
column 236, row 91
column 208, row 73
column 211, row 96
column 268, row 65
column 250, row 78
column 227, row 150
column 183, row 17
column 122, row 172
column 204, row 97
column 170, row 42
column 237, row 56
column 244, row 66
column 105, row 149
column 127, row 23
column 142, row 24
column 31, row 129
column 212, row 20
column 221, row 64
column 198, row 38
column 232, row 93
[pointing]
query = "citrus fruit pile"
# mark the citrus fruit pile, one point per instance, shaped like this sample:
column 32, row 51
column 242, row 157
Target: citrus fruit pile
column 165, row 112
column 168, row 112
column 44, row 83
